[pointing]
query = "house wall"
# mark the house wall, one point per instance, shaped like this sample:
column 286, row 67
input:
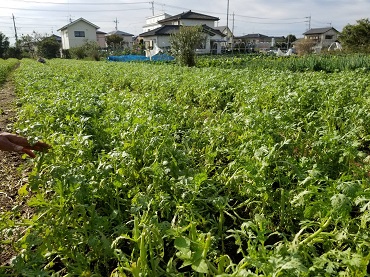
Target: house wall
column 101, row 40
column 65, row 40
column 328, row 38
column 68, row 35
column 194, row 22
column 210, row 43
column 325, row 39
column 152, row 22
column 127, row 41
column 161, row 41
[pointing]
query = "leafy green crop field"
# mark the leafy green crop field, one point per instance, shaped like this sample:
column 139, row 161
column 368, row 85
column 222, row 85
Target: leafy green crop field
column 159, row 170
column 324, row 62
column 6, row 67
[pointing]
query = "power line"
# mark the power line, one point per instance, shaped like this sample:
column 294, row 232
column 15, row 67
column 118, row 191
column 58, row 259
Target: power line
column 53, row 10
column 255, row 17
column 274, row 23
column 85, row 4
column 219, row 13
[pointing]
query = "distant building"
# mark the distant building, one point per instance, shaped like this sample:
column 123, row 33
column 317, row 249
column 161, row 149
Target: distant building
column 323, row 37
column 229, row 36
column 127, row 38
column 100, row 38
column 152, row 22
column 57, row 38
column 190, row 19
column 160, row 37
column 259, row 41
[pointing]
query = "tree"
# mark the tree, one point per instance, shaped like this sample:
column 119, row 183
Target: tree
column 290, row 39
column 114, row 40
column 90, row 49
column 304, row 46
column 184, row 43
column 356, row 38
column 48, row 48
column 4, row 45
column 14, row 52
column 29, row 43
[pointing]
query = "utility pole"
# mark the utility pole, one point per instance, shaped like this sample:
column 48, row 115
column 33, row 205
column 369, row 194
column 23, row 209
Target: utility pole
column 232, row 31
column 309, row 22
column 227, row 21
column 15, row 30
column 152, row 7
column 116, row 21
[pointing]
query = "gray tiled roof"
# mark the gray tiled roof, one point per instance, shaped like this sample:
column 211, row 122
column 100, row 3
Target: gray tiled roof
column 189, row 15
column 315, row 31
column 74, row 22
column 120, row 33
column 163, row 31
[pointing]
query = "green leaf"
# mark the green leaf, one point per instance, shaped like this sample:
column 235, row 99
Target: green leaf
column 200, row 266
column 182, row 244
column 22, row 191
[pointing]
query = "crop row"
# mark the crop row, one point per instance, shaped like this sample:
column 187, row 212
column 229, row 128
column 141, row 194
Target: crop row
column 326, row 63
column 161, row 170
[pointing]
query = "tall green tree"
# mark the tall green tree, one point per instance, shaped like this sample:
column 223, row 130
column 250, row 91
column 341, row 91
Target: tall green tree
column 114, row 40
column 290, row 39
column 4, row 45
column 185, row 42
column 356, row 38
column 48, row 48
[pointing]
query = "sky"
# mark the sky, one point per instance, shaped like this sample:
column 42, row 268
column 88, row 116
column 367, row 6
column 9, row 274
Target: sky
column 271, row 18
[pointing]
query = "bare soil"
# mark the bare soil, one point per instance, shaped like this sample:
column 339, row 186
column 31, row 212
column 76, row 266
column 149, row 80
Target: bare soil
column 13, row 175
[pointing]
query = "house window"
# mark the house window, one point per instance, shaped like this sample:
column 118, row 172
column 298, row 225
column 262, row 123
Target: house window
column 328, row 36
column 79, row 34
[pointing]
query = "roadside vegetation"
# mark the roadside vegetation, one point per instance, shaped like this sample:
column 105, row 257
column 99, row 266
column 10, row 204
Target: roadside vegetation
column 162, row 170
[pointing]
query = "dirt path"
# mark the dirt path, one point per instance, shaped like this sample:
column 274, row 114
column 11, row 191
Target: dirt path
column 13, row 171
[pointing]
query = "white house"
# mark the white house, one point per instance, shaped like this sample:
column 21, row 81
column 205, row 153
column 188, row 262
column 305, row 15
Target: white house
column 152, row 22
column 77, row 33
column 170, row 25
column 190, row 19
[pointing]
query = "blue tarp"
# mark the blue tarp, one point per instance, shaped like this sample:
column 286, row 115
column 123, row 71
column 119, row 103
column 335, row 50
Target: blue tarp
column 130, row 58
